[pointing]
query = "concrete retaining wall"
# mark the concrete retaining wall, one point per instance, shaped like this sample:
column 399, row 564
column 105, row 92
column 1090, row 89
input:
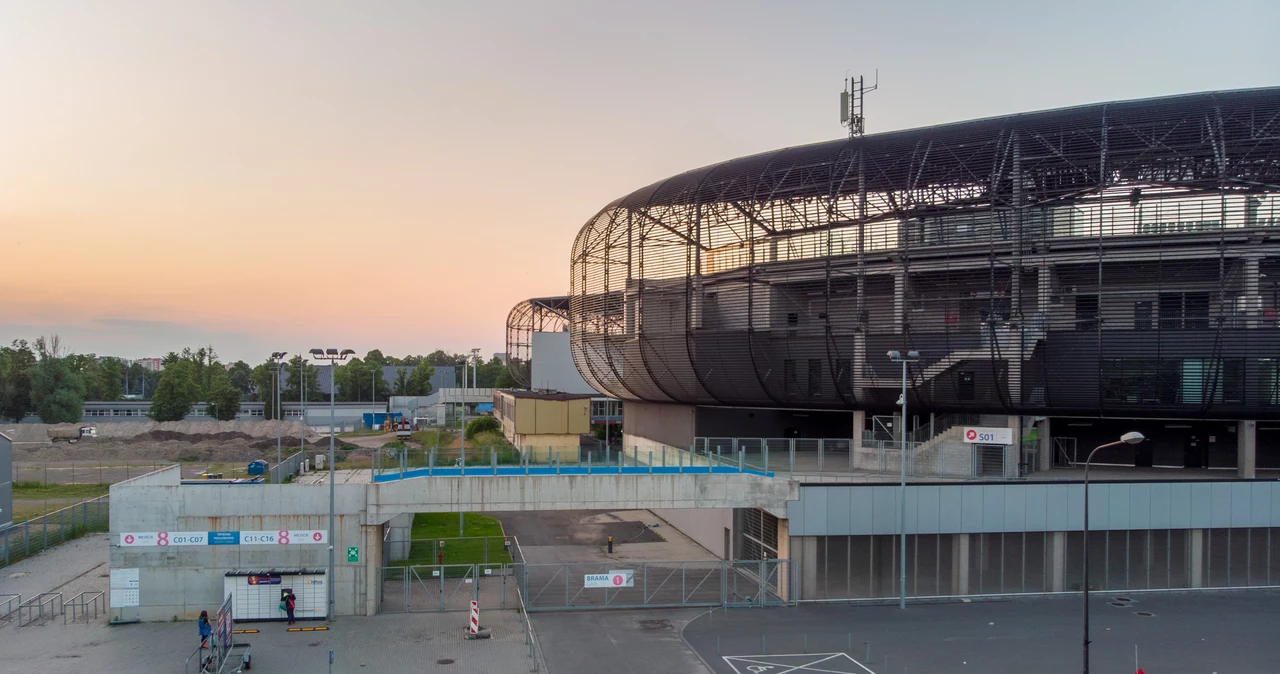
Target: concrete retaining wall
column 705, row 526
column 182, row 581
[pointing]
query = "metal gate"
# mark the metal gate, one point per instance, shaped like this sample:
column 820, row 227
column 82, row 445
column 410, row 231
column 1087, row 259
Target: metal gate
column 558, row 587
column 990, row 459
column 448, row 587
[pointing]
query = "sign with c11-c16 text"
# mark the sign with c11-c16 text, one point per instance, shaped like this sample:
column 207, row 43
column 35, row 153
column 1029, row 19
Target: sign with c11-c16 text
column 162, row 539
column 988, row 436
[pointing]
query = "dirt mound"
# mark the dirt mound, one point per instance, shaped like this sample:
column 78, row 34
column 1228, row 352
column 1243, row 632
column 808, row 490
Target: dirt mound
column 151, row 431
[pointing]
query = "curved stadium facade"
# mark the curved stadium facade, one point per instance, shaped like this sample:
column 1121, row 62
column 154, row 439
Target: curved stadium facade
column 1119, row 259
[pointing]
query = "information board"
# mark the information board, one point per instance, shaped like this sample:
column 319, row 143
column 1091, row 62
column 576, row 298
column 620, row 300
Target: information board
column 124, row 588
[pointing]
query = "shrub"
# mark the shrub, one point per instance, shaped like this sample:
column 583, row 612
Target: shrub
column 483, row 425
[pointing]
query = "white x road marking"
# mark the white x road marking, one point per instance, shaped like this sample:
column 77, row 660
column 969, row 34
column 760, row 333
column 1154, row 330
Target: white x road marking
column 832, row 663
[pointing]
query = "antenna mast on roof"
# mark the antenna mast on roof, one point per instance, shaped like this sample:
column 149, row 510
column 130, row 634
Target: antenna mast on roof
column 855, row 91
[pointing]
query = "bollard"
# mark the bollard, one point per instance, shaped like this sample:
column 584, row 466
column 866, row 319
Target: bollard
column 611, row 545
column 868, row 658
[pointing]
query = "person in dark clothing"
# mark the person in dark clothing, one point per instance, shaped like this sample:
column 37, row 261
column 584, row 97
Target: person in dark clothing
column 205, row 629
column 290, row 602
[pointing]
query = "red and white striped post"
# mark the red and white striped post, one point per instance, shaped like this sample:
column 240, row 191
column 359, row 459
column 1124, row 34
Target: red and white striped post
column 475, row 617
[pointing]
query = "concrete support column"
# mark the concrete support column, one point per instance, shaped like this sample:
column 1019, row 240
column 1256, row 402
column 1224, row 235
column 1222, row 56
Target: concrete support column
column 960, row 564
column 372, row 550
column 1014, row 422
column 859, row 423
column 1196, row 558
column 1247, row 449
column 1045, row 439
column 807, row 571
column 1058, row 579
column 785, row 574
column 651, row 425
column 859, row 365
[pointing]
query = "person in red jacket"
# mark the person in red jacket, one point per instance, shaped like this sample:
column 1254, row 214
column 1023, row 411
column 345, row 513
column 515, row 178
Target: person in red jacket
column 290, row 602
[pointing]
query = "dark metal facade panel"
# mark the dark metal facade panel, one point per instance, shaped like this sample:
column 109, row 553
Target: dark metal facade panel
column 1105, row 259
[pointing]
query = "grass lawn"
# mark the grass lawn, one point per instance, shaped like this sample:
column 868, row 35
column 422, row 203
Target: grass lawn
column 481, row 542
column 36, row 490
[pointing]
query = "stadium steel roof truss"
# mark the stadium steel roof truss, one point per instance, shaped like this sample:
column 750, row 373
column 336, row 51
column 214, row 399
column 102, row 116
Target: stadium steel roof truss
column 1091, row 260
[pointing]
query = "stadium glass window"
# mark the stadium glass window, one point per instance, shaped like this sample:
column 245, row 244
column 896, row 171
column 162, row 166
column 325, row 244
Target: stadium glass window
column 966, row 388
column 1269, row 381
column 790, row 381
column 843, row 379
column 1142, row 315
column 1086, row 313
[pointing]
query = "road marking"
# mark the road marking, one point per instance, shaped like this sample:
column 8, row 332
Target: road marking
column 776, row 664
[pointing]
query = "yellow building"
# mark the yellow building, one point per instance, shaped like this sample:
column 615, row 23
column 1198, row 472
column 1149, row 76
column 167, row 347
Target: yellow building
column 543, row 423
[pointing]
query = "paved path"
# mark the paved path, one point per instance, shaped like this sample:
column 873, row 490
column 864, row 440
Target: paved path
column 617, row 642
column 73, row 567
column 1189, row 632
column 393, row 644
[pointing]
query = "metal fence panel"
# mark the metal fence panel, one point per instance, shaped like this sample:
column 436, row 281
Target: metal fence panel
column 23, row 539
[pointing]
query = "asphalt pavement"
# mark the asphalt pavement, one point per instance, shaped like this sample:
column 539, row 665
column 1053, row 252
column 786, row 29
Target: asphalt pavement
column 1186, row 632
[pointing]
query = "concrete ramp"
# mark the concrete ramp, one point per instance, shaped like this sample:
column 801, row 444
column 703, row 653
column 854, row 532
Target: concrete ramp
column 615, row 491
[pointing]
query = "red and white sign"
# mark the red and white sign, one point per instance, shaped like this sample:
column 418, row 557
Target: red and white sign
column 162, row 539
column 989, row 436
column 285, row 537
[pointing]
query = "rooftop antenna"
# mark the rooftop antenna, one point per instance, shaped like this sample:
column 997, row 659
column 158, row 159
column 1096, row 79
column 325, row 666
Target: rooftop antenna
column 851, row 99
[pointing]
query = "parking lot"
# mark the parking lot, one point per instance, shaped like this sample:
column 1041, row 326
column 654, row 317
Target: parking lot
column 1191, row 632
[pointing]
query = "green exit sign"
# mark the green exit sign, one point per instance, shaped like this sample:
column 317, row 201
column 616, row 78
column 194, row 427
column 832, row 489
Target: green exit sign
column 353, row 555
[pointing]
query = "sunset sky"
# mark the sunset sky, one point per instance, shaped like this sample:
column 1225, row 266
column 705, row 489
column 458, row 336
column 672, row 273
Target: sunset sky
column 281, row 175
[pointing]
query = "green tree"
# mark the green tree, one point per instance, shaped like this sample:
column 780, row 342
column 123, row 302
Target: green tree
column 295, row 372
column 400, row 386
column 224, row 403
column 241, row 376
column 141, row 381
column 263, row 386
column 103, row 378
column 176, row 392
column 505, row 380
column 419, row 383
column 16, row 364
column 483, row 425
column 57, row 393
column 487, row 373
column 357, row 380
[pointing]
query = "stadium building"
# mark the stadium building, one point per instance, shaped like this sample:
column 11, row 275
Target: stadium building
column 1070, row 274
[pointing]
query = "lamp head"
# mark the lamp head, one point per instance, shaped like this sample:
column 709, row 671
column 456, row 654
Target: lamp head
column 347, row 352
column 331, row 352
column 1132, row 438
column 913, row 354
column 317, row 352
column 894, row 355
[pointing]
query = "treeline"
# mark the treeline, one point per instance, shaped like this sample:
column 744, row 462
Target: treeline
column 42, row 379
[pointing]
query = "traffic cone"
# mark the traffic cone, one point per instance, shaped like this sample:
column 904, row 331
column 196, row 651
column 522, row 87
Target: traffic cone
column 1139, row 671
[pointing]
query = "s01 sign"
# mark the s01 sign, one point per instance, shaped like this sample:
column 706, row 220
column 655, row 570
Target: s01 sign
column 988, row 436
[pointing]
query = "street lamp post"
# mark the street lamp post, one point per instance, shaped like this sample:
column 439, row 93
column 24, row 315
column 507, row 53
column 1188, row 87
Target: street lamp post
column 302, row 400
column 334, row 357
column 897, row 357
column 276, row 362
column 1131, row 438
